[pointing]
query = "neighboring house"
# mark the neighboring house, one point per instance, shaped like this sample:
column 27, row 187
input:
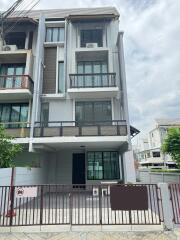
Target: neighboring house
column 149, row 152
column 63, row 95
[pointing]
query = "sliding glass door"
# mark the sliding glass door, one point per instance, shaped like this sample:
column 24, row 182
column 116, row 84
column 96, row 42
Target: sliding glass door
column 92, row 73
column 14, row 113
column 93, row 112
column 12, row 75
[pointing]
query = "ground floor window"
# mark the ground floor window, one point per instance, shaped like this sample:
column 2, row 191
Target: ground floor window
column 103, row 165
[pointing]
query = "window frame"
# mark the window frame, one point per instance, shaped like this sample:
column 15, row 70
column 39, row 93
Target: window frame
column 10, row 105
column 51, row 29
column 156, row 154
column 92, row 103
column 117, row 177
column 91, row 29
column 43, row 107
column 58, row 82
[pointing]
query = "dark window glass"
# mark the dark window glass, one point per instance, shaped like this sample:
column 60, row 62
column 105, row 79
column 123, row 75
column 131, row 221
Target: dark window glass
column 93, row 112
column 49, row 35
column 92, row 36
column 12, row 71
column 55, row 34
column 30, row 40
column 61, row 77
column 92, row 67
column 156, row 154
column 14, row 113
column 16, row 38
column 45, row 113
column 103, row 165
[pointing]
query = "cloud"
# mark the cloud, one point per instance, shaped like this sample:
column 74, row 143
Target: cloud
column 152, row 54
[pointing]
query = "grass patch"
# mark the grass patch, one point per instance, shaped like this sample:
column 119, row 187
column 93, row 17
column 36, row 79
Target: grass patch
column 166, row 170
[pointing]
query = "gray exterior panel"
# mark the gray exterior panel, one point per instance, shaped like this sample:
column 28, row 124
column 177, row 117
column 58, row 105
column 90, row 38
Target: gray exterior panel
column 49, row 84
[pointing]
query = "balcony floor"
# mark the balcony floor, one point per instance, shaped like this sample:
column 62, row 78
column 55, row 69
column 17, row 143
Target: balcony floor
column 101, row 92
column 15, row 94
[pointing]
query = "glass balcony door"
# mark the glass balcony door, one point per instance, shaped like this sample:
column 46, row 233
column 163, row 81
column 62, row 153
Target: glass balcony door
column 94, row 112
column 91, row 73
column 12, row 75
column 15, row 112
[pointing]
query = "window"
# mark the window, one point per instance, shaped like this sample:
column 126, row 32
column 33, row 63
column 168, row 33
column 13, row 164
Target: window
column 14, row 113
column 16, row 38
column 30, row 40
column 61, row 77
column 156, row 154
column 92, row 67
column 55, row 34
column 11, row 70
column 91, row 36
column 45, row 114
column 93, row 111
column 103, row 165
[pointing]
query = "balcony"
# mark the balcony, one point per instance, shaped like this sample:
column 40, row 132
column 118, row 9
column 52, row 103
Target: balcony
column 15, row 87
column 92, row 85
column 17, row 129
column 77, row 129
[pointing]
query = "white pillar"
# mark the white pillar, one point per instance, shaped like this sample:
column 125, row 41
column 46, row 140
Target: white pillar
column 167, row 206
column 129, row 168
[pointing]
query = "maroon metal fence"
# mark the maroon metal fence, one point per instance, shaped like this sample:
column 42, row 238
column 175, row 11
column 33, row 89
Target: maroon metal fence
column 75, row 205
column 174, row 189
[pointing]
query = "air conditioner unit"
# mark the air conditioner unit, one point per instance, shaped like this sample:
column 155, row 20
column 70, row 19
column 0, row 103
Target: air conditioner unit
column 91, row 45
column 9, row 48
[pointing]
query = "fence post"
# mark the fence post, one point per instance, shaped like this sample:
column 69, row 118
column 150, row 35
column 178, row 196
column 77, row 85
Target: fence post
column 166, row 206
column 70, row 208
column 41, row 205
column 12, row 214
column 100, row 205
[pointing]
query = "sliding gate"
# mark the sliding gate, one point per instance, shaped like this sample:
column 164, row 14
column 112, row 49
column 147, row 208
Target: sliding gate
column 76, row 205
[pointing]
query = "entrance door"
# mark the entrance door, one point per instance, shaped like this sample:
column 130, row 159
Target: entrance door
column 78, row 169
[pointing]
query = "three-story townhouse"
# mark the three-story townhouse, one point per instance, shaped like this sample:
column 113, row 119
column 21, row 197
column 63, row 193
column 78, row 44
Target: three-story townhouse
column 79, row 128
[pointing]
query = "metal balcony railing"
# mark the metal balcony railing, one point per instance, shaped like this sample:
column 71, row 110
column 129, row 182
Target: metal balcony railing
column 74, row 128
column 16, row 82
column 92, row 80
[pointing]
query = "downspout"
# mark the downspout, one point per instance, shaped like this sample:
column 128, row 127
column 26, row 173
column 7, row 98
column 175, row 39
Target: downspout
column 37, row 77
column 65, row 55
column 124, row 86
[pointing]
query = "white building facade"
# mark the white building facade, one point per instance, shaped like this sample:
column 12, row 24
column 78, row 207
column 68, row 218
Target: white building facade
column 149, row 153
column 64, row 96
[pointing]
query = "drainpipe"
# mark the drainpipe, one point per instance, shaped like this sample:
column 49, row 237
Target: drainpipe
column 128, row 157
column 65, row 55
column 37, row 77
column 124, row 86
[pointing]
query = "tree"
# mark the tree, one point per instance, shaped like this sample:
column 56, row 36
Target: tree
column 8, row 150
column 171, row 144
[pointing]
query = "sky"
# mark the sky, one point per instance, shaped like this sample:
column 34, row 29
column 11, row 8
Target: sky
column 152, row 54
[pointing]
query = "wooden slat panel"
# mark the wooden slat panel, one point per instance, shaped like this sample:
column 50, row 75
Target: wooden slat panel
column 49, row 81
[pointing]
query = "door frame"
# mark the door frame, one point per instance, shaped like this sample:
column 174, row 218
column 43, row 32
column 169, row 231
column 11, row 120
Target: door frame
column 84, row 167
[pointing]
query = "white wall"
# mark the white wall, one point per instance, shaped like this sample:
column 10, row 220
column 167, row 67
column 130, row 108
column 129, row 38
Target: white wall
column 23, row 176
column 60, row 168
column 129, row 168
column 149, row 177
column 31, row 168
column 61, row 110
column 154, row 138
